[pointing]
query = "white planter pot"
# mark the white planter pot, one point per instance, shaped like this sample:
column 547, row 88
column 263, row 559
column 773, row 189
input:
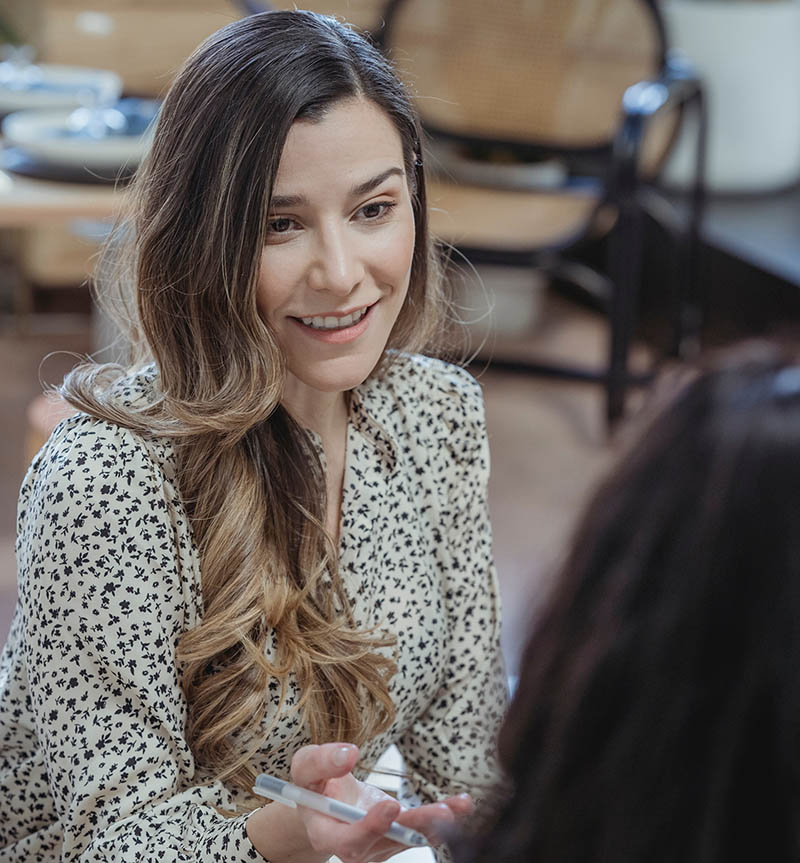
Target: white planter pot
column 497, row 300
column 748, row 54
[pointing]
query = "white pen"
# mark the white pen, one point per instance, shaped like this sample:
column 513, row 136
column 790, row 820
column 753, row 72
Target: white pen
column 292, row 795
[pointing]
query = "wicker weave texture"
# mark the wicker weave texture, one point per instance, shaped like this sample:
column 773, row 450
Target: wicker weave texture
column 524, row 70
column 472, row 217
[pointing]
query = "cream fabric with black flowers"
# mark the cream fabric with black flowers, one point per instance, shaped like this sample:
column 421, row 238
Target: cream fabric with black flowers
column 93, row 761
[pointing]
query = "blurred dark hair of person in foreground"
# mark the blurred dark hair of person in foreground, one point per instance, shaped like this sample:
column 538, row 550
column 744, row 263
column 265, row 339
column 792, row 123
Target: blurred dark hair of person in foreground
column 657, row 716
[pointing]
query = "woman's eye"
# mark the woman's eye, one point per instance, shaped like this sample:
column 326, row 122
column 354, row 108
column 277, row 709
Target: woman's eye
column 280, row 226
column 376, row 210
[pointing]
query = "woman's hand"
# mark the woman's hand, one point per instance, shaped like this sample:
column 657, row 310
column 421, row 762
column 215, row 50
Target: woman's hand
column 326, row 770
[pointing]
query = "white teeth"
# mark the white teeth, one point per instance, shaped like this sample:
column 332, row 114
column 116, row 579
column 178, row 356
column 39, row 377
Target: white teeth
column 332, row 323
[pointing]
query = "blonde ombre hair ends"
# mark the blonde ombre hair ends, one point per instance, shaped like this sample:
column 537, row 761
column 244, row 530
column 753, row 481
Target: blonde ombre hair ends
column 188, row 257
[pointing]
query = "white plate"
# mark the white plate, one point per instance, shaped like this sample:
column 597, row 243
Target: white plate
column 61, row 87
column 36, row 133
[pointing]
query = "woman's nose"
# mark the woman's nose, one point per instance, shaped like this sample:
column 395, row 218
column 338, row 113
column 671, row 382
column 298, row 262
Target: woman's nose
column 338, row 266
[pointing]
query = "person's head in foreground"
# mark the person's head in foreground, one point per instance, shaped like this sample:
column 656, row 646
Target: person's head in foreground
column 658, row 706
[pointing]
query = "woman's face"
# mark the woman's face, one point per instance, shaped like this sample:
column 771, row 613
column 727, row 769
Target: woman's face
column 336, row 266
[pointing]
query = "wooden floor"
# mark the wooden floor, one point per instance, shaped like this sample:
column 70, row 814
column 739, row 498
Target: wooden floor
column 548, row 446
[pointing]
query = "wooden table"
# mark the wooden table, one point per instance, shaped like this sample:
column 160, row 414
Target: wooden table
column 25, row 202
column 761, row 230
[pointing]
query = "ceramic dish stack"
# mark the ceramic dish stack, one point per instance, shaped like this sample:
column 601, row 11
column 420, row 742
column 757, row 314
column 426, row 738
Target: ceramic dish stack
column 68, row 123
column 25, row 85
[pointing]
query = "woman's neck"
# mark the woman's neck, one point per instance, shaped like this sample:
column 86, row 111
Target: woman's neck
column 326, row 414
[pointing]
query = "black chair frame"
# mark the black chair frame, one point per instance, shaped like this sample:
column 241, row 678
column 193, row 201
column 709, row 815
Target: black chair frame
column 614, row 165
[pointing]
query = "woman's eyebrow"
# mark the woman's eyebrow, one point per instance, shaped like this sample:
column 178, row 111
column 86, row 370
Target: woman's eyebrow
column 367, row 186
column 284, row 202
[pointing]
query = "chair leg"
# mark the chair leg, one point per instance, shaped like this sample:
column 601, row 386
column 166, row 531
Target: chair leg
column 688, row 314
column 625, row 264
column 694, row 309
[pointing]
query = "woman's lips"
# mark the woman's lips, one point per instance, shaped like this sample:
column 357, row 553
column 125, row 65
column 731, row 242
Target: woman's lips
column 337, row 336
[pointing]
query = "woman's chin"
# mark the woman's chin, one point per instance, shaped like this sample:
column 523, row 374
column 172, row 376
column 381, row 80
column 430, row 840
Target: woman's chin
column 336, row 376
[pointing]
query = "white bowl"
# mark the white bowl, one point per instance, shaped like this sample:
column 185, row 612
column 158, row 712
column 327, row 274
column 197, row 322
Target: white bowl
column 41, row 135
column 60, row 87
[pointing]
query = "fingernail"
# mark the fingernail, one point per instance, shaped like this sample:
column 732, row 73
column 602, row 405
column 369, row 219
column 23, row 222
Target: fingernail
column 464, row 796
column 341, row 755
column 392, row 808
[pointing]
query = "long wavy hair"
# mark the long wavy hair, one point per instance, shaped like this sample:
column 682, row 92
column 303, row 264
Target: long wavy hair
column 656, row 718
column 249, row 476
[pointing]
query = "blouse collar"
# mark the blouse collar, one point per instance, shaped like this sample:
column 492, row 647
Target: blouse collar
column 372, row 408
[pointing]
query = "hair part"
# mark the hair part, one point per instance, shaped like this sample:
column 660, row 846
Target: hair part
column 249, row 476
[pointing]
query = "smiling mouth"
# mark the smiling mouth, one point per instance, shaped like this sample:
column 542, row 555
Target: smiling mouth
column 331, row 322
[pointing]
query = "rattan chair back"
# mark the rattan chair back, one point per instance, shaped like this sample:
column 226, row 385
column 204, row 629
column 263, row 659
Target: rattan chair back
column 524, row 71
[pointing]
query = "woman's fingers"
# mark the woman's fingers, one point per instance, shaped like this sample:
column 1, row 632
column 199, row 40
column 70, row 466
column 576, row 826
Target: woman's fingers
column 437, row 820
column 363, row 840
column 313, row 766
column 432, row 820
column 460, row 805
column 326, row 769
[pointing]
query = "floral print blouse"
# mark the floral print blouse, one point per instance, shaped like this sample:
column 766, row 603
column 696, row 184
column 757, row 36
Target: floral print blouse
column 94, row 765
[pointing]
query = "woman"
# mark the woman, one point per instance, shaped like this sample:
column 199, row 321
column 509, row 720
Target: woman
column 272, row 531
column 657, row 710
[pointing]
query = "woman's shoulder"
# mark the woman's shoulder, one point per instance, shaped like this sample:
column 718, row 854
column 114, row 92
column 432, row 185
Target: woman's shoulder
column 432, row 405
column 93, row 447
column 439, row 383
column 82, row 439
column 136, row 388
column 89, row 460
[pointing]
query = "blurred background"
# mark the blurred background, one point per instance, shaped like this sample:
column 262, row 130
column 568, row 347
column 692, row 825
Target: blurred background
column 615, row 184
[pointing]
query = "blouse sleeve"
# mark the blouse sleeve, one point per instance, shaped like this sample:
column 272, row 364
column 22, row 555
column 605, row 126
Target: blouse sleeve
column 105, row 591
column 450, row 748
